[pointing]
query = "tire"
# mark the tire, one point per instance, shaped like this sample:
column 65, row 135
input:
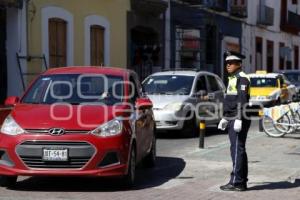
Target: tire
column 129, row 178
column 149, row 160
column 278, row 102
column 273, row 130
column 8, row 181
column 297, row 119
column 189, row 128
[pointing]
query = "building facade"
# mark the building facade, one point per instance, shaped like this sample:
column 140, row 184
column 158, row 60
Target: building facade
column 271, row 35
column 266, row 31
column 56, row 33
column 200, row 31
column 146, row 27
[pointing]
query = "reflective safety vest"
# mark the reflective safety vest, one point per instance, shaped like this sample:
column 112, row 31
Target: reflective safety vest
column 232, row 83
column 237, row 95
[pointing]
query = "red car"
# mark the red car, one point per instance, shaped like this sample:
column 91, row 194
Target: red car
column 78, row 121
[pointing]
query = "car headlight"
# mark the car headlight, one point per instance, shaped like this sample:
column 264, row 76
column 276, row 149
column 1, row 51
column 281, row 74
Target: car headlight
column 10, row 127
column 173, row 106
column 272, row 97
column 261, row 97
column 111, row 128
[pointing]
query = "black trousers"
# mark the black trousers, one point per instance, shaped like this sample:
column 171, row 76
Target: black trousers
column 239, row 174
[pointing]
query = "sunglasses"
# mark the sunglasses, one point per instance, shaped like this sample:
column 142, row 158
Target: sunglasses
column 230, row 62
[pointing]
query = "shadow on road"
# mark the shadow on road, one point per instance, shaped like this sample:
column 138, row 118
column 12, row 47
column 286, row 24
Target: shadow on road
column 181, row 135
column 277, row 185
column 166, row 168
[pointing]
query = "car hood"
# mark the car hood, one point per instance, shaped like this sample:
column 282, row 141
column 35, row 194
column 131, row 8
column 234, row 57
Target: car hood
column 263, row 91
column 160, row 101
column 87, row 117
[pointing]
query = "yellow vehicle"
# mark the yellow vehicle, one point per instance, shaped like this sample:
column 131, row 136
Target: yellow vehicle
column 268, row 89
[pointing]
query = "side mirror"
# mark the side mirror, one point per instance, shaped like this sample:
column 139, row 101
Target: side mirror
column 284, row 85
column 201, row 93
column 143, row 103
column 11, row 101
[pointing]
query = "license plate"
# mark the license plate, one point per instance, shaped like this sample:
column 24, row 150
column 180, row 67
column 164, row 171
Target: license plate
column 55, row 154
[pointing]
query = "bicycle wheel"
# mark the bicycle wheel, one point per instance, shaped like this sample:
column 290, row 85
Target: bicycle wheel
column 283, row 124
column 275, row 130
column 297, row 119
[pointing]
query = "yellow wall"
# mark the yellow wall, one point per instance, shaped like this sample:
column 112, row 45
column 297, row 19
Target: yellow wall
column 115, row 11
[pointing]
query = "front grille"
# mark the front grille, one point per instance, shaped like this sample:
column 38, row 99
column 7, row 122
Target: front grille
column 166, row 123
column 37, row 143
column 111, row 158
column 31, row 153
column 46, row 131
column 37, row 162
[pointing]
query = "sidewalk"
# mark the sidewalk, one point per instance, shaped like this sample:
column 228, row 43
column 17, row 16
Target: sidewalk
column 274, row 170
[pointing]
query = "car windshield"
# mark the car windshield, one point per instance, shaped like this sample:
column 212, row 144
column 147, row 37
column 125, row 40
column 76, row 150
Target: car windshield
column 263, row 82
column 293, row 77
column 76, row 89
column 168, row 84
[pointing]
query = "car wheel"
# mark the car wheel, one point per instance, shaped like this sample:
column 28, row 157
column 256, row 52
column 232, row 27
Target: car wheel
column 151, row 157
column 278, row 102
column 8, row 181
column 189, row 128
column 129, row 178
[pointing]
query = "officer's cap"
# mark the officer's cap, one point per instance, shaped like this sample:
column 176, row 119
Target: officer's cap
column 234, row 56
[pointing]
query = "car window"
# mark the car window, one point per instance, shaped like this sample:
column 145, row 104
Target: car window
column 75, row 89
column 221, row 84
column 213, row 85
column 293, row 77
column 285, row 79
column 168, row 84
column 201, row 84
column 263, row 82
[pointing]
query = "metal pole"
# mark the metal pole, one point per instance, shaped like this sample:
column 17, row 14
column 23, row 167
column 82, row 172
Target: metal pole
column 202, row 127
column 260, row 125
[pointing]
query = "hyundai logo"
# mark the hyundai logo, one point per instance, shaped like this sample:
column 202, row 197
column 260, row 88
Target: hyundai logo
column 56, row 131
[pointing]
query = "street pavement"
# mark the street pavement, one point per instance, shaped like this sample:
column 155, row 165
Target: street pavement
column 184, row 171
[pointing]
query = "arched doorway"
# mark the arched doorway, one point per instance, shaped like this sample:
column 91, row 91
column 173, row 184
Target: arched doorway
column 3, row 61
column 145, row 51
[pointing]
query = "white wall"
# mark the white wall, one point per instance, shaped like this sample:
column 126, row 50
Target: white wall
column 272, row 33
column 16, row 43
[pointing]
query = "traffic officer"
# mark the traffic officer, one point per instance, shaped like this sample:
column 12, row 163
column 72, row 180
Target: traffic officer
column 237, row 96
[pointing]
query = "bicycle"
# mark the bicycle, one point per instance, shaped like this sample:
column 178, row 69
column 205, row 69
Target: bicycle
column 281, row 120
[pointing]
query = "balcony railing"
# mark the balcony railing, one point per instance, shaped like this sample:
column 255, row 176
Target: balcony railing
column 153, row 7
column 293, row 20
column 239, row 11
column 265, row 15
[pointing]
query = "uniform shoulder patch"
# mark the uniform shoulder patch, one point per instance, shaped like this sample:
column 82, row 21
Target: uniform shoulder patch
column 243, row 87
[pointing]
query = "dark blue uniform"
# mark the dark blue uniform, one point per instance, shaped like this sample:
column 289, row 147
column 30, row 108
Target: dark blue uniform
column 237, row 95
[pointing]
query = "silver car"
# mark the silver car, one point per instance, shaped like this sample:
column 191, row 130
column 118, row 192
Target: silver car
column 176, row 97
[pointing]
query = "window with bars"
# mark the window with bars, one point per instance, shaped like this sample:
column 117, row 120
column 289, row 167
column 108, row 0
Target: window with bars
column 188, row 49
column 57, row 42
column 97, row 45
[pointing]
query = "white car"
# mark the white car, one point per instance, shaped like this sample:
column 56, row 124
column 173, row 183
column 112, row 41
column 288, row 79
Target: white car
column 177, row 94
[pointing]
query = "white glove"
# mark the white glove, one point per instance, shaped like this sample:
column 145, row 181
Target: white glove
column 237, row 127
column 222, row 124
